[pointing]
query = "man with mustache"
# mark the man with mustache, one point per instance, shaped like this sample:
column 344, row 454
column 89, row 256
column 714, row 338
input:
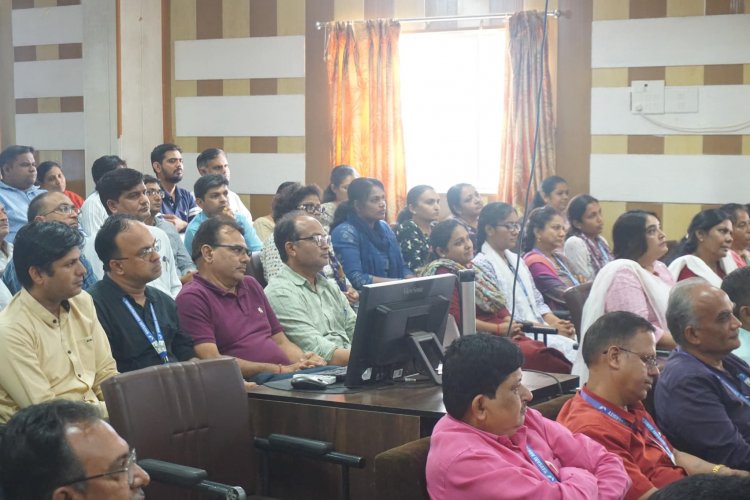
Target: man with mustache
column 63, row 450
column 17, row 189
column 620, row 352
column 227, row 313
column 490, row 445
column 140, row 321
column 702, row 400
column 166, row 160
column 51, row 344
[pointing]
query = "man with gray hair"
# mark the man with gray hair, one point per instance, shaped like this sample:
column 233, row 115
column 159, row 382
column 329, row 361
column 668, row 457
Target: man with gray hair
column 702, row 398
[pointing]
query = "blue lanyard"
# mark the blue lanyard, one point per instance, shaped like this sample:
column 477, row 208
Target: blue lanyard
column 567, row 272
column 523, row 287
column 735, row 392
column 655, row 434
column 603, row 250
column 543, row 468
column 157, row 343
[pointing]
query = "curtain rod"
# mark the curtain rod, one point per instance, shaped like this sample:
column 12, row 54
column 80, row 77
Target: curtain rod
column 555, row 13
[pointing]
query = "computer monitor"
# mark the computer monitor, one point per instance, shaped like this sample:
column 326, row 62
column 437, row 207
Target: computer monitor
column 399, row 331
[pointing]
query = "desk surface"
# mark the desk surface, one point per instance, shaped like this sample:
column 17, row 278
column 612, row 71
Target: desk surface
column 421, row 399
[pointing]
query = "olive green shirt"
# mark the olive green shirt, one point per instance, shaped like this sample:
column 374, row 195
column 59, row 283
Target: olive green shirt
column 320, row 320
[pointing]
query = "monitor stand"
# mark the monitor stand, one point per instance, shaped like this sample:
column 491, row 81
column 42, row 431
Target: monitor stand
column 421, row 342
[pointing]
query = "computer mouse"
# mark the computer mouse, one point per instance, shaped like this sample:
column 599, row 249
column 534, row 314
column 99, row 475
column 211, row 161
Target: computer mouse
column 309, row 381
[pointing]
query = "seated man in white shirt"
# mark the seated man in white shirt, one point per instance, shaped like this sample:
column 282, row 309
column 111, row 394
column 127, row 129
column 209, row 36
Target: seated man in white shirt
column 93, row 212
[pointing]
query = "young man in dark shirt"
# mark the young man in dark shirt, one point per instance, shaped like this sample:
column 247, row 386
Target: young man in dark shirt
column 140, row 321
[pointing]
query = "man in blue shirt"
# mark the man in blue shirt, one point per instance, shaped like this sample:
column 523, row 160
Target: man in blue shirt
column 17, row 189
column 51, row 207
column 166, row 160
column 212, row 196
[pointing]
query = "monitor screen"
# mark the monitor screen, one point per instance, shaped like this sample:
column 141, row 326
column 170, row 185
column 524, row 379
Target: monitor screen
column 400, row 328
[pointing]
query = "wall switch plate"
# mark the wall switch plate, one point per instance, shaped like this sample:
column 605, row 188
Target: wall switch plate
column 647, row 97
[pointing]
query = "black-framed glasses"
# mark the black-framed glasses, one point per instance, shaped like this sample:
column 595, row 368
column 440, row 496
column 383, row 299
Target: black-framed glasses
column 64, row 208
column 143, row 253
column 312, row 208
column 128, row 468
column 513, row 228
column 238, row 250
column 322, row 240
column 649, row 360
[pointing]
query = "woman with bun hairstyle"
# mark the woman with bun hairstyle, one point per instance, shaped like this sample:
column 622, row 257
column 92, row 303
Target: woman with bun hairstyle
column 415, row 223
column 585, row 247
column 454, row 251
column 364, row 243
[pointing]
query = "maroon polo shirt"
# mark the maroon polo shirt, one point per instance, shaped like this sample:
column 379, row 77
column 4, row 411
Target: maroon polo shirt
column 241, row 324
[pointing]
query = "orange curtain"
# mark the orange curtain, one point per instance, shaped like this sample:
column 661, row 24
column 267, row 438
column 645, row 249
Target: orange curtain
column 365, row 103
column 524, row 71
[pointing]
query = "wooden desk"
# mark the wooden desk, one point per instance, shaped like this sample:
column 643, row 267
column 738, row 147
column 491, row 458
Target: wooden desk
column 364, row 423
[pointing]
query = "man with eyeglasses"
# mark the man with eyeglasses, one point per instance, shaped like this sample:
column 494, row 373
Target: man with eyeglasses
column 620, row 352
column 17, row 189
column 212, row 195
column 314, row 313
column 227, row 313
column 140, row 321
column 64, row 450
column 51, row 343
column 702, row 400
column 122, row 191
column 185, row 264
column 51, row 206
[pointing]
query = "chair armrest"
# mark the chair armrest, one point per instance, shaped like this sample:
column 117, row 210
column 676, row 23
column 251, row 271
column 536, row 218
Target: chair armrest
column 168, row 472
column 312, row 448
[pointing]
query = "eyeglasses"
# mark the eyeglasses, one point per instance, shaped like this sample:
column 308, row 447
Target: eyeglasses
column 238, row 250
column 513, row 228
column 144, row 253
column 322, row 240
column 312, row 208
column 154, row 192
column 128, row 468
column 64, row 209
column 648, row 360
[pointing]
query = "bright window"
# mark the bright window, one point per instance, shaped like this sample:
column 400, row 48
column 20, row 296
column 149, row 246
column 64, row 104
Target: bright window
column 452, row 107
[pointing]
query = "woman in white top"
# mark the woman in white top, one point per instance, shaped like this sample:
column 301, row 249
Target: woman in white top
column 704, row 252
column 585, row 248
column 336, row 192
column 636, row 281
column 497, row 233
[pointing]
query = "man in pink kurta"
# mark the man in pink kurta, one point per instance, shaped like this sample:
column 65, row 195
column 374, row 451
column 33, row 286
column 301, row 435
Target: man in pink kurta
column 490, row 445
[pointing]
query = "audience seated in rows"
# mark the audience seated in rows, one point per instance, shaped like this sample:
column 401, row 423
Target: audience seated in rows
column 543, row 243
column 122, row 191
column 364, row 243
column 553, row 192
column 497, row 235
column 212, row 196
column 336, row 192
column 414, row 224
column 740, row 218
column 214, row 161
column 178, row 205
column 585, row 247
column 49, row 207
column 185, row 265
column 313, row 312
column 490, row 444
column 704, row 251
column 620, row 352
column 51, row 343
column 50, row 177
column 17, row 189
column 737, row 287
column 93, row 212
column 636, row 281
column 227, row 313
column 452, row 245
column 64, row 450
column 702, row 400
column 465, row 204
column 140, row 321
